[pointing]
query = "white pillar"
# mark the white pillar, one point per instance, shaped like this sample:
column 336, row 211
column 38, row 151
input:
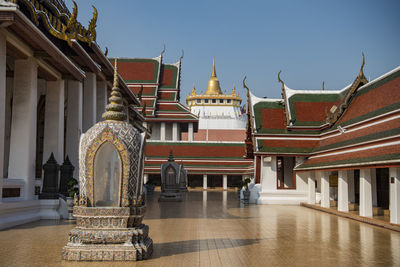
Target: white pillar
column 205, row 181
column 174, row 131
column 373, row 188
column 23, row 127
column 54, row 121
column 350, row 183
column 394, row 204
column 3, row 56
column 145, row 178
column 101, row 100
column 311, row 187
column 89, row 101
column 74, row 123
column 162, row 131
column 325, row 201
column 343, row 191
column 190, row 132
column 225, row 181
column 365, row 193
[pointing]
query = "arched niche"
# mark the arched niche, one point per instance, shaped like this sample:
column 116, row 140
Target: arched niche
column 170, row 180
column 107, row 176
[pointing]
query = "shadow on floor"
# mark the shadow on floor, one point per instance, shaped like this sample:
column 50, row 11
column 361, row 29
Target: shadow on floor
column 188, row 246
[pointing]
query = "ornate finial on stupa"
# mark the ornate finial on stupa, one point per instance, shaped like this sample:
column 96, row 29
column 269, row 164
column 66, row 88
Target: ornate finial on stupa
column 213, row 73
column 323, row 85
column 115, row 110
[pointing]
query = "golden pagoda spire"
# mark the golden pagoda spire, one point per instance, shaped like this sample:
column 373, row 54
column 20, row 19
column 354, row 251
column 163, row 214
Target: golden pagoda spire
column 193, row 90
column 214, row 73
column 213, row 84
column 115, row 110
column 234, row 90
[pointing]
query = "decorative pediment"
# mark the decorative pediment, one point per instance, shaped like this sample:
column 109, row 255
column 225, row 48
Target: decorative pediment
column 336, row 111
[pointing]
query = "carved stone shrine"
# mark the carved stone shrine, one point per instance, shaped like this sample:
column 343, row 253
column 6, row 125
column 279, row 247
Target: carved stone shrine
column 111, row 202
column 173, row 180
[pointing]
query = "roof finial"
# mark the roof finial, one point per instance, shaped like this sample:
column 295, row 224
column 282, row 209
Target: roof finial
column 115, row 110
column 162, row 52
column 361, row 74
column 183, row 53
column 214, row 73
column 234, row 90
column 171, row 155
column 323, row 85
column 245, row 86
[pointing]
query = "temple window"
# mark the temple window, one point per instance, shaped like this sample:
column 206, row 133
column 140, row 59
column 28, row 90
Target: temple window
column 206, row 101
column 228, row 101
column 214, row 101
column 198, row 101
column 221, row 101
column 107, row 176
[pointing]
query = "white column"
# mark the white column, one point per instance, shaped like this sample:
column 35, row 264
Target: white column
column 89, row 101
column 23, row 127
column 343, row 191
column 162, row 131
column 3, row 78
column 311, row 187
column 205, row 181
column 225, row 181
column 74, row 123
column 3, row 56
column 190, row 132
column 325, row 201
column 174, row 131
column 54, row 121
column 350, row 183
column 145, row 178
column 394, row 202
column 365, row 193
column 373, row 188
column 101, row 100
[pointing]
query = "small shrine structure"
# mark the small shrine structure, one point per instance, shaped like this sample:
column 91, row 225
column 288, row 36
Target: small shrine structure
column 111, row 203
column 173, row 180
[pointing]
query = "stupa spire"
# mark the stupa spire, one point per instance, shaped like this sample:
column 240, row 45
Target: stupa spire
column 115, row 110
column 213, row 84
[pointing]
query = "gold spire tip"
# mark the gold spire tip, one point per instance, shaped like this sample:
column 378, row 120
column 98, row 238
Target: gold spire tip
column 115, row 73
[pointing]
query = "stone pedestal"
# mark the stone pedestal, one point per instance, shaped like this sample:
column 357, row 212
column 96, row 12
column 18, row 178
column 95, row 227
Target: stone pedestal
column 48, row 209
column 108, row 234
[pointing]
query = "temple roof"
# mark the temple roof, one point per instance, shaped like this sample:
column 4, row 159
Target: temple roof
column 364, row 131
column 158, row 86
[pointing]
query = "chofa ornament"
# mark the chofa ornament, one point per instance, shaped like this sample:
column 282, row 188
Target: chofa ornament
column 111, row 201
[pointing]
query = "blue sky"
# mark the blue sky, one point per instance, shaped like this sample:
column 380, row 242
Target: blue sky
column 310, row 41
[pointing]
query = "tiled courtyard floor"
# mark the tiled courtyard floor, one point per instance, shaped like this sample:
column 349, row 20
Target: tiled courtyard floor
column 212, row 229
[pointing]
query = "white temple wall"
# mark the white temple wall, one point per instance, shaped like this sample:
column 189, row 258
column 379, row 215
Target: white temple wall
column 155, row 131
column 271, row 195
